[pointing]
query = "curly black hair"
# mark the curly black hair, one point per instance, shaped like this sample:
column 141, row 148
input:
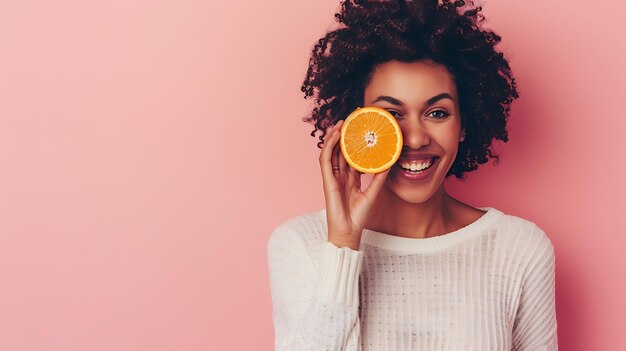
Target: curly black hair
column 449, row 33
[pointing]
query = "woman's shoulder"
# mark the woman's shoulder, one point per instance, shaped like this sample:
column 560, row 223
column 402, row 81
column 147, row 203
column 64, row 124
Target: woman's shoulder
column 523, row 232
column 306, row 230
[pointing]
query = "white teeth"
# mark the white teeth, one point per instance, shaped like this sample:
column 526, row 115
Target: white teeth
column 416, row 166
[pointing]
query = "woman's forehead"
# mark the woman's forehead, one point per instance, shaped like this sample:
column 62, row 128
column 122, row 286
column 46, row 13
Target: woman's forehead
column 412, row 82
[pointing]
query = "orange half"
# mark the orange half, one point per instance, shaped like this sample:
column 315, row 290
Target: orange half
column 371, row 140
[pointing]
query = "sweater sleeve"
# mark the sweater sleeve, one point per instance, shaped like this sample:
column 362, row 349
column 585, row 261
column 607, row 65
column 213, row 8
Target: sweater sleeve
column 535, row 326
column 313, row 308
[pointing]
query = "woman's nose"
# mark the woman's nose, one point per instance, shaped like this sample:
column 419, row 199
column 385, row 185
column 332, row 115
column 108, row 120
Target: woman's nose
column 415, row 134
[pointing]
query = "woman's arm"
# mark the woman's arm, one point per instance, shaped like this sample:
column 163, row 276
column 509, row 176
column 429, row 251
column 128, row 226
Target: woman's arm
column 535, row 326
column 313, row 309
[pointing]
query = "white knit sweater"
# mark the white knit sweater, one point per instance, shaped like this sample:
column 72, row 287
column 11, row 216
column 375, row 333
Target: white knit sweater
column 486, row 286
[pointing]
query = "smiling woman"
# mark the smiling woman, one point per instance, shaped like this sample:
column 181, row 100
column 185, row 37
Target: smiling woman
column 402, row 265
column 423, row 97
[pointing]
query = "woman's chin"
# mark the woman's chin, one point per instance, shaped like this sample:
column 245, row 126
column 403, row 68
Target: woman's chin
column 411, row 190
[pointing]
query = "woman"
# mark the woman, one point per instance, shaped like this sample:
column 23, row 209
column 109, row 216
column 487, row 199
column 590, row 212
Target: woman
column 403, row 265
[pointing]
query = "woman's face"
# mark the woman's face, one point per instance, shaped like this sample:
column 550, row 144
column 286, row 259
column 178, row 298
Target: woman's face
column 423, row 97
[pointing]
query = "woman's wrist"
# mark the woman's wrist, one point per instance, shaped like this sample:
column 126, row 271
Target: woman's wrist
column 353, row 244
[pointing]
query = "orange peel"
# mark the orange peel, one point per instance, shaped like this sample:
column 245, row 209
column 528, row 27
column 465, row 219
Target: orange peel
column 371, row 139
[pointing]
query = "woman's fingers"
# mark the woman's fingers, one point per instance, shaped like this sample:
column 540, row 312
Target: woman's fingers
column 335, row 162
column 355, row 179
column 335, row 158
column 326, row 159
column 348, row 173
column 341, row 162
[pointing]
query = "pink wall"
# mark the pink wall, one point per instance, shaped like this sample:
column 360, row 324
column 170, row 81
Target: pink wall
column 147, row 150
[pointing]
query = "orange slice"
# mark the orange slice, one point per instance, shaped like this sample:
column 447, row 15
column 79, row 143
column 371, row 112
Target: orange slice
column 371, row 139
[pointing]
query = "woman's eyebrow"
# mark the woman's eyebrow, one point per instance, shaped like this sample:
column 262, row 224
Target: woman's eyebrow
column 389, row 99
column 429, row 102
column 436, row 98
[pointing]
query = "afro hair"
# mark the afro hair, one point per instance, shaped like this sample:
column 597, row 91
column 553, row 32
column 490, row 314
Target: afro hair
column 447, row 32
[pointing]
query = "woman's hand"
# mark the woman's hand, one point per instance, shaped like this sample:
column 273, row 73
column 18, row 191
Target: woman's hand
column 347, row 207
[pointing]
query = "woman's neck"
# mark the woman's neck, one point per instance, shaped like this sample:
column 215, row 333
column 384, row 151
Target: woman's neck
column 438, row 215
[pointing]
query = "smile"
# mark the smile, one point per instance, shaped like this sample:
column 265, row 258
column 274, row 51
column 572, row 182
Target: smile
column 417, row 170
column 417, row 167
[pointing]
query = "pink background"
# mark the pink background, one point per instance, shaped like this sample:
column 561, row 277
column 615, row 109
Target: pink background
column 148, row 149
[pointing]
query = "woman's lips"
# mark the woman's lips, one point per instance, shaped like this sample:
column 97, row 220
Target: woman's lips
column 421, row 176
column 429, row 161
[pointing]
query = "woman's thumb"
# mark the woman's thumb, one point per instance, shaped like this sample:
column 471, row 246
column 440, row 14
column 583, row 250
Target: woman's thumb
column 376, row 184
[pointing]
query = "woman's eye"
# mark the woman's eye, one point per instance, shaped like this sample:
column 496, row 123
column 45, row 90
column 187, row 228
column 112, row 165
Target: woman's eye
column 442, row 114
column 394, row 113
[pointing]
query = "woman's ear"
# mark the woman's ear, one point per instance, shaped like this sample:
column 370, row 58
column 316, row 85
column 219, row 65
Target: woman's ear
column 462, row 134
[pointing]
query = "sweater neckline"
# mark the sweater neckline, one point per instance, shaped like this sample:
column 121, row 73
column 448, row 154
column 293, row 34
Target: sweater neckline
column 435, row 243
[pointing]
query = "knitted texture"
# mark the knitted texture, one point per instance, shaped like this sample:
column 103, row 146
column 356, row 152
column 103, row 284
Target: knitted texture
column 486, row 286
